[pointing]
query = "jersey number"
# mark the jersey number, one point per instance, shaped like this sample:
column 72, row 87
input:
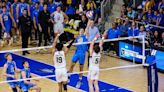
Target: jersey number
column 97, row 61
column 59, row 59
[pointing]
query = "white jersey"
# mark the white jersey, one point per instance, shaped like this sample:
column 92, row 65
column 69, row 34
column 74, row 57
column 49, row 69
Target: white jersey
column 94, row 61
column 58, row 17
column 59, row 60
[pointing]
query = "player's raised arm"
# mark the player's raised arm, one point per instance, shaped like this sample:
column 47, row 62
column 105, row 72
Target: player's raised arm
column 68, row 46
column 55, row 41
column 91, row 47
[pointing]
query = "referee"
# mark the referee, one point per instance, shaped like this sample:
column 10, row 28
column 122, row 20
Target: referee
column 25, row 24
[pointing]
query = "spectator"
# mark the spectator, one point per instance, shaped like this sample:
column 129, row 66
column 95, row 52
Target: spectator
column 94, row 10
column 148, row 4
column 25, row 23
column 160, row 21
column 44, row 19
column 51, row 6
column 150, row 16
column 70, row 12
column 142, row 33
column 123, row 11
column 162, row 40
column 83, row 23
column 82, row 8
column 89, row 4
column 124, row 28
column 131, row 13
column 100, row 26
column 161, row 5
column 111, row 33
column 156, row 39
column 155, row 17
column 133, row 30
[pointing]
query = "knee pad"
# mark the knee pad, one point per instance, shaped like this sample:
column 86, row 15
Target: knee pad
column 14, row 89
column 65, row 86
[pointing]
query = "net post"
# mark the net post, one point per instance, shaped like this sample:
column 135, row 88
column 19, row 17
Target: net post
column 143, row 49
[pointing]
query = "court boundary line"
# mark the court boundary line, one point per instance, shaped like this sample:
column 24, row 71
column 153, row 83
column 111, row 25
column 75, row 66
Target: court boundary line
column 83, row 75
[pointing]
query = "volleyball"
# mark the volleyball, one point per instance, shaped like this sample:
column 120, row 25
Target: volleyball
column 89, row 14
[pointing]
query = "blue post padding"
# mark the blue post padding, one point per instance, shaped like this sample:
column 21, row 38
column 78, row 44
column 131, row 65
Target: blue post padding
column 152, row 74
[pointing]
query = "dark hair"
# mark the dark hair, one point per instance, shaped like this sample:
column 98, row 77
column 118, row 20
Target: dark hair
column 59, row 46
column 96, row 48
column 23, row 63
column 37, row 3
column 44, row 4
column 3, row 7
column 7, row 54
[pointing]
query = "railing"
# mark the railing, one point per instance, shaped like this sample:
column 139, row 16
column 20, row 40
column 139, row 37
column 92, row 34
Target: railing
column 138, row 22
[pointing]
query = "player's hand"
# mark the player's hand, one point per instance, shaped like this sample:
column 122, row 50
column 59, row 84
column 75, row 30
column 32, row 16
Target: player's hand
column 40, row 29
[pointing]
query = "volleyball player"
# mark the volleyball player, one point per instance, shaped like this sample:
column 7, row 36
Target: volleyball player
column 27, row 84
column 94, row 61
column 79, row 54
column 9, row 71
column 60, row 64
column 58, row 20
column 6, row 22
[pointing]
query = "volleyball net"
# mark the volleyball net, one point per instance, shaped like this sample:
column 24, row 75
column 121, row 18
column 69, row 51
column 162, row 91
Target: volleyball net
column 121, row 63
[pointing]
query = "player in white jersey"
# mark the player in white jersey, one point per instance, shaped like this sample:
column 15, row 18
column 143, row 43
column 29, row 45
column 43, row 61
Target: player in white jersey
column 59, row 17
column 60, row 64
column 93, row 74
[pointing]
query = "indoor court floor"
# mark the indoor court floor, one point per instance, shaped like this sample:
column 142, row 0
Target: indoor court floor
column 125, row 80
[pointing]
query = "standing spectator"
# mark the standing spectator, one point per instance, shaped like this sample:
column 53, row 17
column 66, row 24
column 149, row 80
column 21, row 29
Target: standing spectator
column 83, row 23
column 111, row 33
column 25, row 24
column 124, row 28
column 94, row 11
column 162, row 40
column 82, row 7
column 35, row 19
column 89, row 4
column 100, row 26
column 43, row 22
column 6, row 22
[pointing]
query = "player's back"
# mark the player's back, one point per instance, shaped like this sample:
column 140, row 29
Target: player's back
column 94, row 61
column 59, row 59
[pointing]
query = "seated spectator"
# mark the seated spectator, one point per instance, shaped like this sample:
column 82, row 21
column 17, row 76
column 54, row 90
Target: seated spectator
column 160, row 22
column 131, row 13
column 100, row 26
column 150, row 15
column 141, row 14
column 133, row 30
column 110, row 34
column 161, row 4
column 94, row 10
column 124, row 28
column 83, row 23
column 155, row 17
column 156, row 39
column 162, row 40
column 123, row 11
column 82, row 8
column 89, row 4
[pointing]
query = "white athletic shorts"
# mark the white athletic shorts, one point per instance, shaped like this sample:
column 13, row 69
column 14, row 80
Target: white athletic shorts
column 61, row 75
column 93, row 74
column 58, row 28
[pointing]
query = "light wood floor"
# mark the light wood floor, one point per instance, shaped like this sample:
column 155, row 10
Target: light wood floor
column 131, row 78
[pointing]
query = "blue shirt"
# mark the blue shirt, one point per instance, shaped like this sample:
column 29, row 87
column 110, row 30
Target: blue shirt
column 10, row 69
column 21, row 7
column 133, row 32
column 32, row 8
column 113, row 33
column 70, row 10
column 92, row 32
column 52, row 7
column 81, row 48
column 7, row 21
column 28, row 75
column 35, row 14
column 40, row 7
column 14, row 6
column 124, row 29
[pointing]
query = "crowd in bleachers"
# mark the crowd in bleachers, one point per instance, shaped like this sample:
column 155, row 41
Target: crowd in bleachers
column 148, row 13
